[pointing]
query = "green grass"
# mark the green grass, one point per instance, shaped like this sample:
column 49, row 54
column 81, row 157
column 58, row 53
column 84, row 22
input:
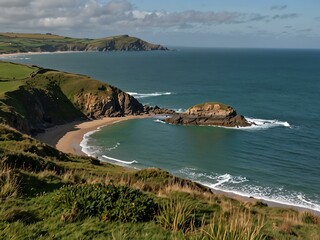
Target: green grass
column 13, row 71
column 9, row 86
column 39, row 201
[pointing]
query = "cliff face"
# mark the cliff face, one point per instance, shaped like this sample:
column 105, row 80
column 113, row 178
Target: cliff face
column 117, row 104
column 210, row 114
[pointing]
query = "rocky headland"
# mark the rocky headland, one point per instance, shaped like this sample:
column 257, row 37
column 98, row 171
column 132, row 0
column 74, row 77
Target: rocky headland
column 24, row 42
column 209, row 114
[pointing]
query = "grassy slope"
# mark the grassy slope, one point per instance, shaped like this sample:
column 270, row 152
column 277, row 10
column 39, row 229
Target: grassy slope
column 31, row 173
column 54, row 88
column 12, row 76
column 12, row 71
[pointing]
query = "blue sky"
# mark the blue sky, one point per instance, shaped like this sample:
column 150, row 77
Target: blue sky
column 204, row 23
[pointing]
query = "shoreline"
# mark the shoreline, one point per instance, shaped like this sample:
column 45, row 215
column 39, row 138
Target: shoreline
column 18, row 54
column 68, row 137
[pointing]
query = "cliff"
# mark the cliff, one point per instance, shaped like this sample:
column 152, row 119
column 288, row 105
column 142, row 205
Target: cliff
column 21, row 42
column 209, row 114
column 47, row 97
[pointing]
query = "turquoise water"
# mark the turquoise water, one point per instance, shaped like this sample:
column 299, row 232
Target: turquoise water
column 277, row 160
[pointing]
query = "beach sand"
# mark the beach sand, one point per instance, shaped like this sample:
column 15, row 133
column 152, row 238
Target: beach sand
column 12, row 55
column 67, row 137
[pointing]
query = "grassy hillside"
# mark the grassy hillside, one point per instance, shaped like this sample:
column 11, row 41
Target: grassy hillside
column 32, row 98
column 25, row 42
column 46, row 194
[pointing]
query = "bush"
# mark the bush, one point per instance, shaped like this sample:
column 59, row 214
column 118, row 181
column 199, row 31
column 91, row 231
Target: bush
column 108, row 202
column 309, row 218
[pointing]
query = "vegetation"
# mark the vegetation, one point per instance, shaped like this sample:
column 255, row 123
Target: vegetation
column 26, row 42
column 12, row 71
column 48, row 92
column 46, row 194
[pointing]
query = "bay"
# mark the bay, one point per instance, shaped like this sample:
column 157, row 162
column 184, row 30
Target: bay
column 279, row 89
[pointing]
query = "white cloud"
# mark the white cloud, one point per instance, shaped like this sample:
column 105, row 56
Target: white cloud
column 114, row 15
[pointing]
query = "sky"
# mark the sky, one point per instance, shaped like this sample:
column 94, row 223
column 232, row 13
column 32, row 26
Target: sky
column 201, row 23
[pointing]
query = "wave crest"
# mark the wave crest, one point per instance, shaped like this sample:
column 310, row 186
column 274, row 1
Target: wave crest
column 145, row 95
column 242, row 186
column 119, row 161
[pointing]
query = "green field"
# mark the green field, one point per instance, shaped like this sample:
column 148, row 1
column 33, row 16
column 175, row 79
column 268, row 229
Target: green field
column 12, row 71
column 9, row 86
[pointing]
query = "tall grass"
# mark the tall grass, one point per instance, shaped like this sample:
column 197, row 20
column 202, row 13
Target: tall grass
column 176, row 214
column 236, row 225
column 9, row 183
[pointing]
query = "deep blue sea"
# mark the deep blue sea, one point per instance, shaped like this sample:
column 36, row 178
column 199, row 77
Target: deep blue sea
column 277, row 160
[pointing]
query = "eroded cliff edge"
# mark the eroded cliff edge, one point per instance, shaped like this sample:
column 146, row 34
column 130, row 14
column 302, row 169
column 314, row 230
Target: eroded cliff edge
column 209, row 114
column 47, row 98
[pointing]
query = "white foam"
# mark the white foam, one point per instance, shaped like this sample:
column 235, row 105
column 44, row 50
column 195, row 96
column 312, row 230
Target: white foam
column 159, row 121
column 120, row 161
column 114, row 147
column 236, row 185
column 265, row 124
column 180, row 110
column 84, row 144
column 145, row 95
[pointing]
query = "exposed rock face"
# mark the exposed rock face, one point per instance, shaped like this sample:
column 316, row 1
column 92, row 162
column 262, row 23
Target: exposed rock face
column 157, row 110
column 117, row 104
column 210, row 114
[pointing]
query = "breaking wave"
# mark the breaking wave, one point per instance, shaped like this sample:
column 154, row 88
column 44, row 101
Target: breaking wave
column 145, row 95
column 119, row 161
column 265, row 124
column 244, row 187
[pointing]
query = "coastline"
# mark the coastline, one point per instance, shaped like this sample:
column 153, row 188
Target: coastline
column 67, row 138
column 19, row 54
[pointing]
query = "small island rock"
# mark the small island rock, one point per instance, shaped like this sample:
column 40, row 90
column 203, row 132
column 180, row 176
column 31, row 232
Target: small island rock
column 209, row 114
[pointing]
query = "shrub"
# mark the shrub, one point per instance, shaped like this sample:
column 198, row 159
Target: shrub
column 108, row 202
column 310, row 218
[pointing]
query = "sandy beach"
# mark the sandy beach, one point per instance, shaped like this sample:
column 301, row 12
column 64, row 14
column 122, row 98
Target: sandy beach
column 12, row 55
column 67, row 137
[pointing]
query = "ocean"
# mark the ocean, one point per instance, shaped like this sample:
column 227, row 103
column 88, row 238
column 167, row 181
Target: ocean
column 276, row 160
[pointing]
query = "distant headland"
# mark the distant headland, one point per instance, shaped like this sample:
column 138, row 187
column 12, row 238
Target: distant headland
column 37, row 42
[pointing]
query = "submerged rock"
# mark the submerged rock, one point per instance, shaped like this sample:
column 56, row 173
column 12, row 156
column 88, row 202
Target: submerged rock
column 209, row 114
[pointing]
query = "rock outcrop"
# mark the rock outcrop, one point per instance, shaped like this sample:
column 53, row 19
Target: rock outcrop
column 209, row 114
column 158, row 110
column 116, row 104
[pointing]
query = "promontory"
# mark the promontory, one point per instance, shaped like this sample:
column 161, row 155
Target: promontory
column 36, row 42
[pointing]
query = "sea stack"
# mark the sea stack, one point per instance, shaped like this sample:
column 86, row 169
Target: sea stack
column 210, row 114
